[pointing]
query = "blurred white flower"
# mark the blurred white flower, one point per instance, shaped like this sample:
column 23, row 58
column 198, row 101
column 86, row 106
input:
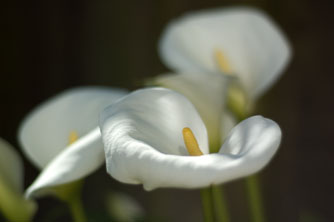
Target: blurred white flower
column 61, row 136
column 149, row 134
column 242, row 42
column 12, row 203
column 123, row 207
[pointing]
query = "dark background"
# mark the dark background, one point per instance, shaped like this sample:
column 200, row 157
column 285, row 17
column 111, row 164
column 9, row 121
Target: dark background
column 49, row 46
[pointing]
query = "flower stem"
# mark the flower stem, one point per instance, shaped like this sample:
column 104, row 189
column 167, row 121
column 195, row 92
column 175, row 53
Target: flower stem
column 220, row 204
column 71, row 194
column 255, row 198
column 252, row 183
column 207, row 204
column 214, row 204
column 76, row 208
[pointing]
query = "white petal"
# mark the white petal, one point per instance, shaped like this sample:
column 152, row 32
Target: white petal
column 11, row 169
column 45, row 131
column 132, row 160
column 75, row 162
column 254, row 141
column 157, row 117
column 147, row 121
column 206, row 92
column 252, row 43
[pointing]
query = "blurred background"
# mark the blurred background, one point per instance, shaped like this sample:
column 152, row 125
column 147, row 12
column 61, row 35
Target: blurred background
column 50, row 46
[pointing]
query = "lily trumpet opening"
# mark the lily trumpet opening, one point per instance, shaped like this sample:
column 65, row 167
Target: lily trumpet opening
column 242, row 42
column 208, row 97
column 61, row 137
column 155, row 137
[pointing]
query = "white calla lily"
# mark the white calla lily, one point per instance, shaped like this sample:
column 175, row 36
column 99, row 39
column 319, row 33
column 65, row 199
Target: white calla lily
column 239, row 41
column 149, row 134
column 207, row 95
column 12, row 203
column 61, row 137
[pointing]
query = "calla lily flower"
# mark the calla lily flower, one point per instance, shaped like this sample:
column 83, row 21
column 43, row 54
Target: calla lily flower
column 208, row 98
column 242, row 42
column 12, row 203
column 61, row 137
column 156, row 137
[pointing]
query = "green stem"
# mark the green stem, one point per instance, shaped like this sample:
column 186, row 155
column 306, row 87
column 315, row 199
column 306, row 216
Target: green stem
column 255, row 198
column 77, row 210
column 207, row 205
column 253, row 188
column 71, row 194
column 220, row 204
column 214, row 204
column 238, row 107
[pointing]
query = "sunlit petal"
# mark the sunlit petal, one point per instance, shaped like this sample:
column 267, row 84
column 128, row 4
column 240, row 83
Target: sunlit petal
column 143, row 143
column 148, row 120
column 254, row 141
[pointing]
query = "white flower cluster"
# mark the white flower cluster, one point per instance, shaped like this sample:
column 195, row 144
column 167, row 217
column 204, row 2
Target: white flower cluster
column 182, row 134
